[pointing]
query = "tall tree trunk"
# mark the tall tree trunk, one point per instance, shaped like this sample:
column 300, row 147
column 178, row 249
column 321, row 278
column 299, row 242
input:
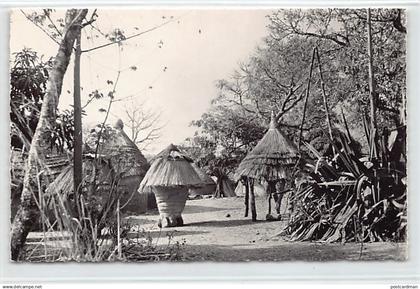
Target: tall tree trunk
column 78, row 141
column 28, row 211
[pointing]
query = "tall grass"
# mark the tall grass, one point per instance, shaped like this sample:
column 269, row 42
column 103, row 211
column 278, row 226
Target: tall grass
column 96, row 231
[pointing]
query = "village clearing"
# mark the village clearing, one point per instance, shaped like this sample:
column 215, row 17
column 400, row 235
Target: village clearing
column 216, row 230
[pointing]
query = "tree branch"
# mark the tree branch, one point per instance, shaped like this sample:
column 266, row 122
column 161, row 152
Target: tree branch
column 130, row 37
column 40, row 27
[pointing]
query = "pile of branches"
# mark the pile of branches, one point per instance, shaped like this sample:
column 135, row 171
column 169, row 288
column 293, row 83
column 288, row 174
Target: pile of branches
column 350, row 198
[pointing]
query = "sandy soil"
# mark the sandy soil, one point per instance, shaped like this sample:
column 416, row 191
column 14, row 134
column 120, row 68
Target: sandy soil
column 216, row 230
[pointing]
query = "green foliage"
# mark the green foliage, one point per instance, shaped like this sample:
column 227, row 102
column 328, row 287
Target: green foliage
column 28, row 79
column 224, row 137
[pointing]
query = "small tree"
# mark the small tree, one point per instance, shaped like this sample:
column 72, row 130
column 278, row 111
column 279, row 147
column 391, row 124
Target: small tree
column 28, row 211
column 144, row 124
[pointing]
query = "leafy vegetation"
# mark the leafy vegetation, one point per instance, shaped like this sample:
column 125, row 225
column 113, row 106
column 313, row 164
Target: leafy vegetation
column 274, row 78
column 28, row 79
column 347, row 198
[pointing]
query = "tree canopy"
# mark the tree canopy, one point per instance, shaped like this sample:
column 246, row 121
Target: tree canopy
column 275, row 77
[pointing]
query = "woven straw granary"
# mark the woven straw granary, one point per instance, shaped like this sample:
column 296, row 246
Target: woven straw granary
column 170, row 176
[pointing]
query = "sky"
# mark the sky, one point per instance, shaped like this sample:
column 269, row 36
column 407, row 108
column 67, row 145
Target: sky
column 177, row 65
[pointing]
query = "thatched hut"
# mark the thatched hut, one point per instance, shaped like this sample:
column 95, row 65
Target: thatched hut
column 128, row 161
column 225, row 187
column 272, row 160
column 54, row 164
column 170, row 176
column 208, row 186
column 120, row 159
column 62, row 188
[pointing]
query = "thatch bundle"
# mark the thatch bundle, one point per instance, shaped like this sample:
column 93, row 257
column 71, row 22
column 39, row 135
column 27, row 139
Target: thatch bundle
column 169, row 177
column 207, row 187
column 271, row 158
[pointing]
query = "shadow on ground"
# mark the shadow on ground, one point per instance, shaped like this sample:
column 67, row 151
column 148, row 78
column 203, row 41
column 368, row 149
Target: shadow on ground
column 299, row 251
column 138, row 220
column 193, row 209
column 225, row 223
column 164, row 233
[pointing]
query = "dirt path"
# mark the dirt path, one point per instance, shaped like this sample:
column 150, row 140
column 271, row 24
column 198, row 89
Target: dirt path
column 215, row 230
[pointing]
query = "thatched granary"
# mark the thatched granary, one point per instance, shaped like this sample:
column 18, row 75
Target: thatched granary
column 271, row 160
column 120, row 157
column 170, row 176
column 208, row 186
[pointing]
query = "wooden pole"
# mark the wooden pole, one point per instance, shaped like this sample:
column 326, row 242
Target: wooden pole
column 252, row 195
column 371, row 73
column 78, row 141
column 246, row 184
column 118, row 230
column 270, row 195
column 306, row 98
column 324, row 95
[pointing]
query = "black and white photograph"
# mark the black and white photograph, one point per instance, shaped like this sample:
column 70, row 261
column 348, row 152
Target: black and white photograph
column 151, row 134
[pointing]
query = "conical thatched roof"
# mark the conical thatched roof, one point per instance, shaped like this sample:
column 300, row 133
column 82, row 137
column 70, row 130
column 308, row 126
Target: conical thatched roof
column 205, row 178
column 170, row 168
column 64, row 184
column 207, row 187
column 126, row 158
column 117, row 154
column 271, row 158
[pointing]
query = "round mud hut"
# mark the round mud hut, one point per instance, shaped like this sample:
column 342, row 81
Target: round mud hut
column 119, row 158
column 170, row 176
column 271, row 160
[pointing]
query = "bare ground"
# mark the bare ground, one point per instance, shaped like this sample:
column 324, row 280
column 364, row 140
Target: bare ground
column 216, row 230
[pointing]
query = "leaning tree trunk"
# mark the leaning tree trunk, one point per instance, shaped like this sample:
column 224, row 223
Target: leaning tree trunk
column 28, row 211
